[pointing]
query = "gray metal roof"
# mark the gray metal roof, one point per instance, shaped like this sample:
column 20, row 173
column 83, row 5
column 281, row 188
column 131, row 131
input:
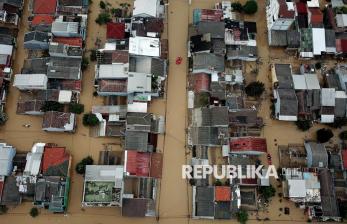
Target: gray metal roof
column 328, row 197
column 216, row 29
column 289, row 102
column 37, row 36
column 330, row 38
column 136, row 141
column 340, row 107
column 208, row 61
column 208, row 136
column 35, row 66
column 284, row 76
column 328, row 97
column 64, row 68
column 318, row 154
column 241, row 52
column 278, row 38
column 293, row 39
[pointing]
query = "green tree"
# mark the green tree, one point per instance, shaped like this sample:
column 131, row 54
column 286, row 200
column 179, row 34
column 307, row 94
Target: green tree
column 250, row 7
column 34, row 212
column 267, row 191
column 218, row 183
column 304, row 124
column 85, row 63
column 102, row 5
column 343, row 135
column 255, row 89
column 324, row 135
column 242, row 216
column 3, row 118
column 93, row 55
column 103, row 18
column 90, row 119
column 236, row 6
column 76, row 108
column 52, row 106
column 318, row 65
column 116, row 12
column 81, row 166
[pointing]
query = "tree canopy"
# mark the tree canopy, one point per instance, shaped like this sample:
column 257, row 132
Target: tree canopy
column 250, row 7
column 81, row 166
column 324, row 135
column 255, row 89
column 90, row 119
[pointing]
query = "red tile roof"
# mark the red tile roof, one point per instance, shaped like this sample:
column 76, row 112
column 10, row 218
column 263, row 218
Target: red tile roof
column 301, row 8
column 42, row 19
column 72, row 41
column 284, row 12
column 115, row 86
column 211, row 15
column 115, row 31
column 316, row 16
column 222, row 193
column 144, row 164
column 54, row 156
column 201, row 82
column 45, row 6
column 344, row 159
column 250, row 145
column 341, row 45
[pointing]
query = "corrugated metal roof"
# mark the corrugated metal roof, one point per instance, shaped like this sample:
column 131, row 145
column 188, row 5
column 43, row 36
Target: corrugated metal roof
column 328, row 97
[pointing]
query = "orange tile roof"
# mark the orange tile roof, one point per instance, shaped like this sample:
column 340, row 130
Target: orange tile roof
column 42, row 19
column 222, row 193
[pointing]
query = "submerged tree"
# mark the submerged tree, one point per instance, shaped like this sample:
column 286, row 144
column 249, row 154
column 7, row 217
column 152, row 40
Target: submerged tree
column 255, row 89
column 250, row 7
column 324, row 135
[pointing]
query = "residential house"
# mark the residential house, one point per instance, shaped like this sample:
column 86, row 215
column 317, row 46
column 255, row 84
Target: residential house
column 33, row 160
column 240, row 52
column 146, row 46
column 115, row 31
column 248, row 145
column 36, row 40
column 286, row 105
column 139, row 198
column 59, row 121
column 213, row 116
column 208, row 136
column 215, row 29
column 201, row 82
column 207, row 63
column 147, row 26
column 41, row 23
column 7, row 153
column 52, row 192
column 5, row 55
column 301, row 186
column 44, row 7
column 212, row 202
column 148, row 8
column 292, row 156
column 281, row 75
column 143, row 164
column 65, row 27
column 317, row 155
column 329, row 208
column 111, row 120
column 63, row 50
column 328, row 105
column 64, row 68
column 105, row 178
column 30, row 81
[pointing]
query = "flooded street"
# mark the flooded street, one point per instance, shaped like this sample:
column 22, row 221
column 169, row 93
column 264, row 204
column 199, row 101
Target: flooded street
column 174, row 198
